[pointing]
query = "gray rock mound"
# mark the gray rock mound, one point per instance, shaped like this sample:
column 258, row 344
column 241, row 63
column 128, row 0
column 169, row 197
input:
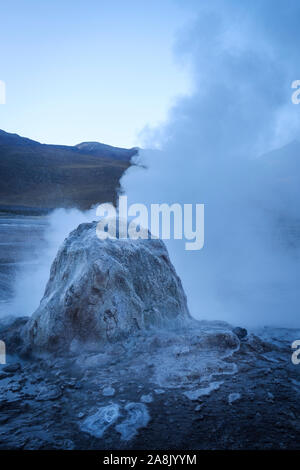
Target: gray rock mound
column 100, row 291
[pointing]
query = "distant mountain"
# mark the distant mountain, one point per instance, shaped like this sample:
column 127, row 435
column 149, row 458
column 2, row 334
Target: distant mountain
column 14, row 139
column 40, row 176
column 102, row 150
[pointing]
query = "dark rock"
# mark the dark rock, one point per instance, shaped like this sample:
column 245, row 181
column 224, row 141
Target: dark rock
column 3, row 375
column 10, row 333
column 49, row 393
column 240, row 332
column 12, row 368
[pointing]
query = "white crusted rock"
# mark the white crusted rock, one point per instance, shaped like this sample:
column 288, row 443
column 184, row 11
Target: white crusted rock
column 102, row 290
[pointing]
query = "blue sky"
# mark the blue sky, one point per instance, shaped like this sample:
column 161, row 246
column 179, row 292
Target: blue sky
column 89, row 70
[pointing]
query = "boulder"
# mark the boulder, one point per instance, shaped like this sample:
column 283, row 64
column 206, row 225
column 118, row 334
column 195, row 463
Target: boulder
column 103, row 290
column 240, row 332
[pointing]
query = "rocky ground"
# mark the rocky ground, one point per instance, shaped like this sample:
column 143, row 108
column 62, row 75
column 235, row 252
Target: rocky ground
column 203, row 387
column 112, row 359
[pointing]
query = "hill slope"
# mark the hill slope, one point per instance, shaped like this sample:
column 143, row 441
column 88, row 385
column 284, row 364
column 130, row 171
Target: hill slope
column 47, row 176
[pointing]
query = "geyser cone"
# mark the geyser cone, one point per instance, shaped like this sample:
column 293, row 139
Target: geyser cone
column 102, row 290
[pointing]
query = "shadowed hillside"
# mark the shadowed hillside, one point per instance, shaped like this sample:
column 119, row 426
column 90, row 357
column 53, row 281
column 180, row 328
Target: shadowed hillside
column 48, row 176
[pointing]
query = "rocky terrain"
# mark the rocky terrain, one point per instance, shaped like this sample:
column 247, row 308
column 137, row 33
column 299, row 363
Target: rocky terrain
column 195, row 388
column 78, row 377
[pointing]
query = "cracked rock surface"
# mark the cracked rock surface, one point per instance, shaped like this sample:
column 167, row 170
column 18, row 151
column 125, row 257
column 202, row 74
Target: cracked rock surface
column 209, row 389
column 102, row 290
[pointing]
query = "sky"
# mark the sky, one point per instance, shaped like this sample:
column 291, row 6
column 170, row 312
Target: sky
column 93, row 70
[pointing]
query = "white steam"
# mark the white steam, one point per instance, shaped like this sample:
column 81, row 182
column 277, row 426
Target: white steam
column 244, row 59
column 32, row 278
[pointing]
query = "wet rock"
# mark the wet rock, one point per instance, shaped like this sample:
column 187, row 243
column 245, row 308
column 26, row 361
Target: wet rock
column 49, row 393
column 200, row 417
column 240, row 332
column 108, row 392
column 11, row 333
column 199, row 407
column 71, row 383
column 97, row 423
column 258, row 345
column 220, row 340
column 3, row 375
column 4, row 418
column 66, row 444
column 29, row 423
column 16, row 387
column 12, row 368
column 147, row 398
column 204, row 391
column 233, row 397
column 137, row 417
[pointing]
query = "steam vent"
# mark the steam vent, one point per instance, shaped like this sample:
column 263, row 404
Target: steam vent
column 102, row 290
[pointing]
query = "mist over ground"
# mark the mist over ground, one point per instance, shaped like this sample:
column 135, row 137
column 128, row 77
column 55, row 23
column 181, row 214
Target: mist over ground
column 33, row 273
column 212, row 150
